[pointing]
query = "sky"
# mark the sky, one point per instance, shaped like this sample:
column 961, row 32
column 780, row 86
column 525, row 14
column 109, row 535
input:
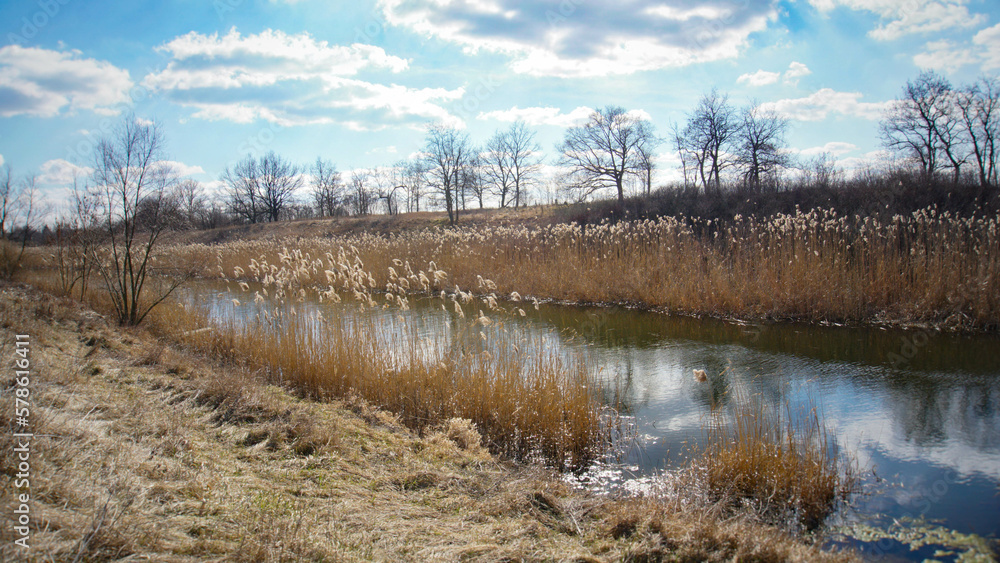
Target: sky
column 357, row 83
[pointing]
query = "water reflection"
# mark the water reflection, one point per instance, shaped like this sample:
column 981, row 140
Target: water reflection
column 913, row 405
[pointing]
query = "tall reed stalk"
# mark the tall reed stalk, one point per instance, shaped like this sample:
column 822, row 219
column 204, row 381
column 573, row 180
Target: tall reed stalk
column 781, row 464
column 821, row 266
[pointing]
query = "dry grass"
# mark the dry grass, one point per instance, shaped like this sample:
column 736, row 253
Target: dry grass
column 926, row 267
column 526, row 401
column 781, row 465
column 145, row 451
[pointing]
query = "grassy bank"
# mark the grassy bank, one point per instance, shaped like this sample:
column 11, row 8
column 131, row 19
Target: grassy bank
column 144, row 449
column 927, row 267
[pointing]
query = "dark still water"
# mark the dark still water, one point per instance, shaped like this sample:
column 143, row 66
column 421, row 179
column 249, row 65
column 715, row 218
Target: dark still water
column 919, row 410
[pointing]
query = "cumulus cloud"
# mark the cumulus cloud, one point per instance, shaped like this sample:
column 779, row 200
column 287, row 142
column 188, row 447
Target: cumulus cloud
column 910, row 17
column 550, row 115
column 573, row 38
column 821, row 104
column 1, row 160
column 759, row 78
column 43, row 82
column 836, row 148
column 796, row 70
column 762, row 77
column 540, row 115
column 183, row 169
column 292, row 80
column 945, row 55
column 59, row 172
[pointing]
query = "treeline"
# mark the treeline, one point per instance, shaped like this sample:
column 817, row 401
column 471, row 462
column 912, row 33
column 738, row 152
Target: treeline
column 940, row 139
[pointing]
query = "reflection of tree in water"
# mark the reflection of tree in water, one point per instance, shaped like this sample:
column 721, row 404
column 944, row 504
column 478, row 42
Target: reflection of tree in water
column 617, row 327
column 933, row 410
column 619, row 389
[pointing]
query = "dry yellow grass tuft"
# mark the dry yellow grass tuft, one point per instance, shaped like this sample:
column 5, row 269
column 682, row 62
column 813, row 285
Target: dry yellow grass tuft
column 780, row 465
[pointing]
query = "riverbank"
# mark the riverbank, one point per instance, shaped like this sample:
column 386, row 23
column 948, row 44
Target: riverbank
column 928, row 269
column 143, row 448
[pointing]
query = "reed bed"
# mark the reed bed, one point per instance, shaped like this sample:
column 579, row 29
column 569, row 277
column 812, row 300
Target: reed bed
column 528, row 402
column 927, row 267
column 778, row 464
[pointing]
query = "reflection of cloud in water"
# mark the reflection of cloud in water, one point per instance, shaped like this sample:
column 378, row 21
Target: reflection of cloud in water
column 943, row 411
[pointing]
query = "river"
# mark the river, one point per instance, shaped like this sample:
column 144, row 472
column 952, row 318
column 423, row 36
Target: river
column 917, row 410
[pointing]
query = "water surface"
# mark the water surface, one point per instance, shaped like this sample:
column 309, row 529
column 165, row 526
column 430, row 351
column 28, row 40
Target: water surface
column 919, row 410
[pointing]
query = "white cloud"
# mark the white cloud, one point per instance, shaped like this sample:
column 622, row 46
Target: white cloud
column 855, row 164
column 573, row 38
column 270, row 57
column 945, row 55
column 836, row 148
column 214, row 188
column 762, row 77
column 821, row 104
column 183, row 169
column 988, row 41
column 59, row 172
column 42, row 82
column 1, row 160
column 908, row 17
column 759, row 78
column 551, row 116
column 797, row 70
column 540, row 115
column 292, row 80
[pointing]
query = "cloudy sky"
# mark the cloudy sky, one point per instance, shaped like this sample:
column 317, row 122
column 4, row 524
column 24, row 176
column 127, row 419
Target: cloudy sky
column 357, row 82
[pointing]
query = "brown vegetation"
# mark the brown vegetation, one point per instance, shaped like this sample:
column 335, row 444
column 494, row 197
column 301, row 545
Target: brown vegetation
column 928, row 267
column 145, row 450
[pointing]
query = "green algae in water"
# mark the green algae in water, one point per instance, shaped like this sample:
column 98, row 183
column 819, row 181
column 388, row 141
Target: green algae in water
column 917, row 534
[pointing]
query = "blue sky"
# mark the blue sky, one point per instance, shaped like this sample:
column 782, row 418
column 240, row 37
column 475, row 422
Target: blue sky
column 357, row 82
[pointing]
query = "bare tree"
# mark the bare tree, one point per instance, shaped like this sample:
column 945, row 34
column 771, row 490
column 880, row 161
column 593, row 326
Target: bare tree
column 260, row 189
column 446, row 152
column 191, row 202
column 129, row 176
column 328, row 188
column 472, row 180
column 243, row 190
column 924, row 125
column 759, row 143
column 18, row 207
column 705, row 143
column 511, row 164
column 385, row 184
column 602, row 152
column 413, row 177
column 691, row 160
column 360, row 198
column 279, row 180
column 979, row 107
column 77, row 236
column 822, row 171
column 647, row 158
